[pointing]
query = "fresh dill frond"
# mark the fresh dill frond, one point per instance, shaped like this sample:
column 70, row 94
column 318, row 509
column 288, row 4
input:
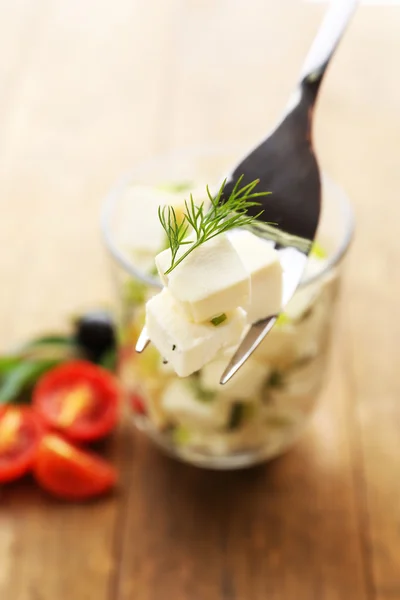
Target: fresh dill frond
column 202, row 224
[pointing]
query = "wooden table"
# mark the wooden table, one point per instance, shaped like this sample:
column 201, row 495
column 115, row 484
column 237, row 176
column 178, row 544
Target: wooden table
column 88, row 88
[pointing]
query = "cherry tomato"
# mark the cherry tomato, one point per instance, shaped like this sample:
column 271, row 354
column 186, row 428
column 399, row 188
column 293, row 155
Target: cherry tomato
column 78, row 399
column 70, row 473
column 21, row 430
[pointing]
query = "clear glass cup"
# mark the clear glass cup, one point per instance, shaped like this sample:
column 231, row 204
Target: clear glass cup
column 265, row 407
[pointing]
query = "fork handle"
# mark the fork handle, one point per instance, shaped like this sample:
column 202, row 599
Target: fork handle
column 326, row 41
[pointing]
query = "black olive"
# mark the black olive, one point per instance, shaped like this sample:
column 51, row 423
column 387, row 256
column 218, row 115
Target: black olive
column 95, row 334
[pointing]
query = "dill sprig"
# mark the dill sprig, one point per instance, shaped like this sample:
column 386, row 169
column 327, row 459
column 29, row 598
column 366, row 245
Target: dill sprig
column 203, row 224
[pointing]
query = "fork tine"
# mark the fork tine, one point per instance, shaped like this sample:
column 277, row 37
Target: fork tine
column 143, row 341
column 253, row 338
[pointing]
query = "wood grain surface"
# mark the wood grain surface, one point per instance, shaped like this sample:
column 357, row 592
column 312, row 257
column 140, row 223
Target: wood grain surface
column 87, row 89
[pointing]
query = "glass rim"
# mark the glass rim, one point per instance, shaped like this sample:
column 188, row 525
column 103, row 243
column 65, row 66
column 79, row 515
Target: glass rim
column 123, row 182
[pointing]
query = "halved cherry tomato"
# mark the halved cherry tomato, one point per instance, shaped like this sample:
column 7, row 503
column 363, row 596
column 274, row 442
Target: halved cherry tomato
column 21, row 430
column 71, row 473
column 78, row 399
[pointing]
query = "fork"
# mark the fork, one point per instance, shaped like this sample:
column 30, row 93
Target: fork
column 286, row 165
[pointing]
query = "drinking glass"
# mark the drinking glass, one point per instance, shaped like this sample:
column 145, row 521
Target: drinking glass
column 264, row 408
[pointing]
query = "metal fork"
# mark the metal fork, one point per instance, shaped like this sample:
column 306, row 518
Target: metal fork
column 286, row 165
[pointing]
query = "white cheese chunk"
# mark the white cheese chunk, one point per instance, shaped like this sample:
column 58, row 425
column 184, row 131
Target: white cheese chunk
column 261, row 261
column 182, row 404
column 188, row 346
column 245, row 385
column 211, row 280
column 294, row 340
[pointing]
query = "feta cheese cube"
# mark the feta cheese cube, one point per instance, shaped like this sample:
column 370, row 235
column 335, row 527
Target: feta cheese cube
column 188, row 346
column 181, row 403
column 262, row 263
column 210, row 281
column 245, row 385
column 290, row 342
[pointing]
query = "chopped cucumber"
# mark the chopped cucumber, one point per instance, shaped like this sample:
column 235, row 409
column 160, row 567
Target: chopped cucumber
column 180, row 435
column 276, row 379
column 218, row 320
column 202, row 394
column 236, row 417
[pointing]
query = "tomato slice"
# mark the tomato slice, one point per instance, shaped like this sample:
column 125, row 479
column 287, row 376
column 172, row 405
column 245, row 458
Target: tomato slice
column 71, row 473
column 79, row 399
column 21, row 430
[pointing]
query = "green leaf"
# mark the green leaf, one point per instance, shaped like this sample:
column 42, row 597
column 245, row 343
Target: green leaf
column 7, row 363
column 23, row 376
column 51, row 339
column 218, row 320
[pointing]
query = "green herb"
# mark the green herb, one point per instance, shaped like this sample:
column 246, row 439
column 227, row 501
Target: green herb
column 218, row 320
column 202, row 394
column 275, row 379
column 318, row 251
column 221, row 217
column 22, row 376
column 236, row 416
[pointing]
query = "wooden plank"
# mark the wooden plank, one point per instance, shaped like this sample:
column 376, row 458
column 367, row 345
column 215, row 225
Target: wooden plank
column 49, row 548
column 89, row 106
column 90, row 90
column 289, row 529
column 360, row 119
column 237, row 64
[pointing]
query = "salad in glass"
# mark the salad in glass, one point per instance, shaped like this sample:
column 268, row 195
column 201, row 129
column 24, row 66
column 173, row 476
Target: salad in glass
column 178, row 401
